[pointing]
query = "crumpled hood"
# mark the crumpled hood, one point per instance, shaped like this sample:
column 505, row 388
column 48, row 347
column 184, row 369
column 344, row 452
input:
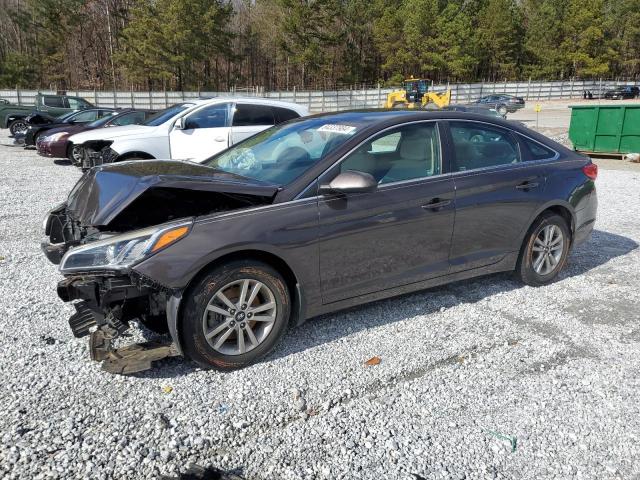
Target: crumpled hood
column 110, row 133
column 103, row 192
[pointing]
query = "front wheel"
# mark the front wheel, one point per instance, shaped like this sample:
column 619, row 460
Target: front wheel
column 18, row 127
column 545, row 250
column 74, row 154
column 235, row 315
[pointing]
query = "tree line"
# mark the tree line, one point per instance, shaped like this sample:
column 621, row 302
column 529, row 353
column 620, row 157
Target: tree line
column 310, row 44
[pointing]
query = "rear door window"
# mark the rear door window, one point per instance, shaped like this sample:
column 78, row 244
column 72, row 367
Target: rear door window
column 477, row 145
column 77, row 103
column 53, row 101
column 283, row 114
column 536, row 150
column 252, row 115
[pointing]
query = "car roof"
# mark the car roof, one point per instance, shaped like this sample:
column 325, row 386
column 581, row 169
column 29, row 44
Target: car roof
column 376, row 119
column 245, row 99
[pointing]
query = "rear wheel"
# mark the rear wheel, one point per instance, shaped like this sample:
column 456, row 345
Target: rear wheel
column 545, row 250
column 235, row 315
column 18, row 127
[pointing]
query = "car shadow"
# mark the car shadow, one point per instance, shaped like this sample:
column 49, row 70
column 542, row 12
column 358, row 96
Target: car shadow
column 63, row 162
column 600, row 249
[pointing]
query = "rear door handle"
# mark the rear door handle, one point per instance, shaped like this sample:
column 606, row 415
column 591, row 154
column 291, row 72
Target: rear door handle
column 435, row 204
column 527, row 185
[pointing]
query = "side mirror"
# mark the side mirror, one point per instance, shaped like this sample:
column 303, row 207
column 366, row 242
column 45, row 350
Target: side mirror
column 351, row 181
column 179, row 125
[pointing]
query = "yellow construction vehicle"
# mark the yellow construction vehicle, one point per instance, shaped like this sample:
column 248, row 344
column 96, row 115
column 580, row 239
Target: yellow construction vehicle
column 415, row 94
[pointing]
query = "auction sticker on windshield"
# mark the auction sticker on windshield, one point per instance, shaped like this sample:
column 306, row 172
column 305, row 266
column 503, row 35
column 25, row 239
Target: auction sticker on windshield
column 335, row 128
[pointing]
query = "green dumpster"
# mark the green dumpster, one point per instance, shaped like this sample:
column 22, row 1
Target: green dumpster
column 605, row 128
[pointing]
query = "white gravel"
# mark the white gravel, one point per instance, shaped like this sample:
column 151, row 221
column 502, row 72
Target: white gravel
column 556, row 368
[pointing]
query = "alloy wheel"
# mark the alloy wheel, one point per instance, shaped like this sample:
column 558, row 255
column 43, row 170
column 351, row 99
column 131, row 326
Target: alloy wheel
column 239, row 316
column 18, row 127
column 547, row 250
column 76, row 154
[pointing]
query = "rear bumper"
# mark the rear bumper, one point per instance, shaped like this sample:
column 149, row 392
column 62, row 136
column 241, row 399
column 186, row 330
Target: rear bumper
column 585, row 219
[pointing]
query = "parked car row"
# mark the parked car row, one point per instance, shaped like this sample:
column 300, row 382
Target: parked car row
column 13, row 116
column 223, row 221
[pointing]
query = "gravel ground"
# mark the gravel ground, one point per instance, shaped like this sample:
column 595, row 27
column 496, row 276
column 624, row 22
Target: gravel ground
column 480, row 379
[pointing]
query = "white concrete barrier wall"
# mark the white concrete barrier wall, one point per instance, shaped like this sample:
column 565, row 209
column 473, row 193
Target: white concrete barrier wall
column 324, row 101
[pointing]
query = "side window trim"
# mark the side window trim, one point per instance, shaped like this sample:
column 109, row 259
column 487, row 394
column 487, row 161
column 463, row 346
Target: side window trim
column 522, row 137
column 378, row 134
column 227, row 121
column 444, row 150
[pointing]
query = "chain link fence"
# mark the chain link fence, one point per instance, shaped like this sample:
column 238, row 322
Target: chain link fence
column 324, row 101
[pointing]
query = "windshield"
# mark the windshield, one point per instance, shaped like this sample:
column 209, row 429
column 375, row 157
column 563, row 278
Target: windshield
column 282, row 153
column 166, row 114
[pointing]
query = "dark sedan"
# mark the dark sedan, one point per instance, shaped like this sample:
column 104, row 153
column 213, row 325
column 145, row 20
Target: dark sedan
column 55, row 142
column 309, row 217
column 38, row 123
column 622, row 93
column 502, row 102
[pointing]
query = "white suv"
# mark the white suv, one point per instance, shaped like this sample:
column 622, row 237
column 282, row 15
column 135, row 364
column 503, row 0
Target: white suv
column 193, row 130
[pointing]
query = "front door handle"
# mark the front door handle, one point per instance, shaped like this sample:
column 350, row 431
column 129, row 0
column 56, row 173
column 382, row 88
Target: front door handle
column 435, row 204
column 220, row 139
column 527, row 185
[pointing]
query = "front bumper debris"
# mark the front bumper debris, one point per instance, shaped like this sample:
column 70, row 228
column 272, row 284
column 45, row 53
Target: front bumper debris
column 130, row 359
column 104, row 306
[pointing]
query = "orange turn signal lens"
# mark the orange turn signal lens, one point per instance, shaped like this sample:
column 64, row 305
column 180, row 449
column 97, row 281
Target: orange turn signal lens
column 167, row 238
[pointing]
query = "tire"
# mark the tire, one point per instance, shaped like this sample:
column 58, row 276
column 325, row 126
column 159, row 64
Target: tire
column 18, row 127
column 74, row 154
column 531, row 268
column 204, row 308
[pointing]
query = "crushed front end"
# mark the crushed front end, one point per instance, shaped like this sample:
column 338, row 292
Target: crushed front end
column 118, row 216
column 105, row 291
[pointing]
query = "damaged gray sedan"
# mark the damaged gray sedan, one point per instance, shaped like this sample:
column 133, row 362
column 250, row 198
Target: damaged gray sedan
column 306, row 218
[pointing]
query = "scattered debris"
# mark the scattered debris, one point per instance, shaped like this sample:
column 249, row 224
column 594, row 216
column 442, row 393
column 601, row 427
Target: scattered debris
column 632, row 157
column 167, row 389
column 164, row 421
column 372, row 361
column 222, row 409
column 512, row 439
column 22, row 430
column 48, row 340
column 133, row 358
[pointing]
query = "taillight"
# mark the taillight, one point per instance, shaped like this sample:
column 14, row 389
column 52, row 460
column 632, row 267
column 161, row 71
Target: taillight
column 591, row 171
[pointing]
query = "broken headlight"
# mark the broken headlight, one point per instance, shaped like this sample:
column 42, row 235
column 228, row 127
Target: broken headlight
column 122, row 251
